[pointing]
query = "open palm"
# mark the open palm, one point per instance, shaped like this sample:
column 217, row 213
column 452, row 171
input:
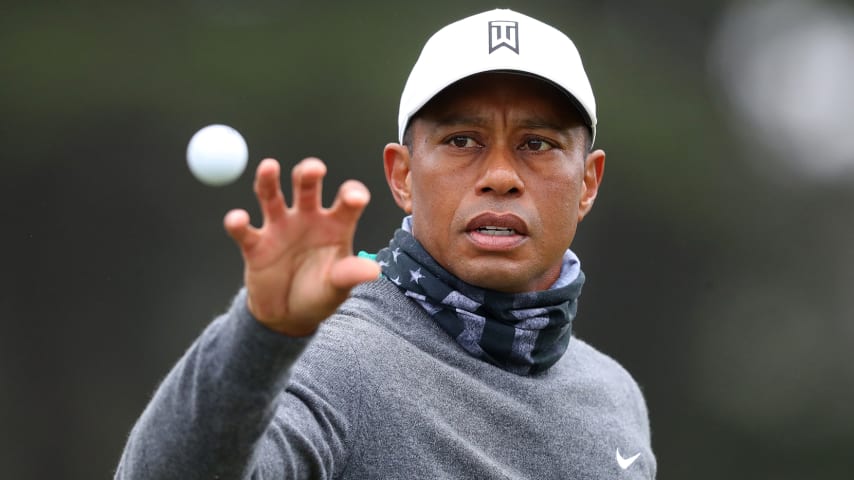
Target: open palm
column 299, row 265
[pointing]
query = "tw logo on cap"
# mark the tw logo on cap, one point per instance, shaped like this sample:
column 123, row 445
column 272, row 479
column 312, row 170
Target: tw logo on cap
column 503, row 33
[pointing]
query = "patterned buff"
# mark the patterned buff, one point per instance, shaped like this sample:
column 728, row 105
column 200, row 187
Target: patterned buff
column 522, row 333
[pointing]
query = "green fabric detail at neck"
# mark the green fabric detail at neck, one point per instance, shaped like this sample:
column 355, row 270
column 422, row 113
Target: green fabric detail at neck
column 369, row 256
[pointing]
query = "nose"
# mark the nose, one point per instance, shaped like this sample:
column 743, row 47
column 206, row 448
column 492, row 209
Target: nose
column 500, row 173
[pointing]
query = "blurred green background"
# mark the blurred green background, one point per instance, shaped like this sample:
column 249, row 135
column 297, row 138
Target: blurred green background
column 719, row 255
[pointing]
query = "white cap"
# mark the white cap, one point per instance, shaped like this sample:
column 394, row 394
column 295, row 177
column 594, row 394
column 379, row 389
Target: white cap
column 498, row 40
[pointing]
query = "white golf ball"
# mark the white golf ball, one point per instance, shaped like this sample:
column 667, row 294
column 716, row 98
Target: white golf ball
column 217, row 155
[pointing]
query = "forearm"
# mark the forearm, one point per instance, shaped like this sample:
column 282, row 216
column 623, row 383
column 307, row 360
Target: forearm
column 208, row 415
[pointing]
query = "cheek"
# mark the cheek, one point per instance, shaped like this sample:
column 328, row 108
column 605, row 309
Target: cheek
column 427, row 204
column 433, row 209
column 435, row 192
column 559, row 206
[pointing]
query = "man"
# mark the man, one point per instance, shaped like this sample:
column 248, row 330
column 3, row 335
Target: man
column 458, row 361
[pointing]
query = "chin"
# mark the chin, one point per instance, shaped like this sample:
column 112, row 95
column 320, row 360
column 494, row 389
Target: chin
column 505, row 276
column 500, row 280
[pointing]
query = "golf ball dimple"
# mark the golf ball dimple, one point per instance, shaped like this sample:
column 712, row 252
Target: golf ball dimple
column 217, row 155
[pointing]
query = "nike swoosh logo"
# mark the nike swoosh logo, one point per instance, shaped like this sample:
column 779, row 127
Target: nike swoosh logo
column 625, row 463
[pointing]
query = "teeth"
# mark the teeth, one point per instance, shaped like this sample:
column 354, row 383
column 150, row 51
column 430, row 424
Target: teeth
column 498, row 231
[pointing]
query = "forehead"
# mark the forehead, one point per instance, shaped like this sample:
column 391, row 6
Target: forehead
column 532, row 96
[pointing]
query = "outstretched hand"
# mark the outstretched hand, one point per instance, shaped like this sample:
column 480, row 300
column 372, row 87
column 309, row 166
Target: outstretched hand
column 299, row 265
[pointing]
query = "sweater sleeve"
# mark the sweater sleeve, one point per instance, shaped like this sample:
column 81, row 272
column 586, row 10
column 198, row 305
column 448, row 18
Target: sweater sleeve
column 228, row 409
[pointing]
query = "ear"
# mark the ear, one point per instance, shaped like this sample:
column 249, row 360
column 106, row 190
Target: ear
column 594, row 168
column 398, row 175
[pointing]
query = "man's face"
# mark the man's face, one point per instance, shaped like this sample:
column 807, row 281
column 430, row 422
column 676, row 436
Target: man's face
column 497, row 180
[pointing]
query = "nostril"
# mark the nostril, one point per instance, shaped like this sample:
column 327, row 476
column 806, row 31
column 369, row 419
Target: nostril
column 500, row 179
column 509, row 191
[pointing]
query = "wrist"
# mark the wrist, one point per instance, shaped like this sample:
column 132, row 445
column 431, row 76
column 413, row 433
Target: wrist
column 281, row 327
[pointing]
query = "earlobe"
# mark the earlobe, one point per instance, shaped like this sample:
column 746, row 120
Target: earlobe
column 594, row 168
column 397, row 174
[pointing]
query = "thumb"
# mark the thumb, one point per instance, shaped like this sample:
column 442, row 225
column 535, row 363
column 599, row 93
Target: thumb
column 350, row 271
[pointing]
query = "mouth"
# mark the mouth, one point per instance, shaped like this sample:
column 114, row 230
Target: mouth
column 497, row 232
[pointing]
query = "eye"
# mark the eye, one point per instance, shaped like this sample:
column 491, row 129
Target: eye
column 461, row 141
column 537, row 145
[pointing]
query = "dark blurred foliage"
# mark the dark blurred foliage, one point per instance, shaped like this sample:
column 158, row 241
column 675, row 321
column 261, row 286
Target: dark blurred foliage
column 723, row 292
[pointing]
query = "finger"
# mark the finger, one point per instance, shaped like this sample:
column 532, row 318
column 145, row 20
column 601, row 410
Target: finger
column 237, row 225
column 353, row 196
column 268, row 189
column 348, row 272
column 307, row 179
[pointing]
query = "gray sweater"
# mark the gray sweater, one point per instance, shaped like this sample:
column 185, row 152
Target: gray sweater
column 380, row 391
